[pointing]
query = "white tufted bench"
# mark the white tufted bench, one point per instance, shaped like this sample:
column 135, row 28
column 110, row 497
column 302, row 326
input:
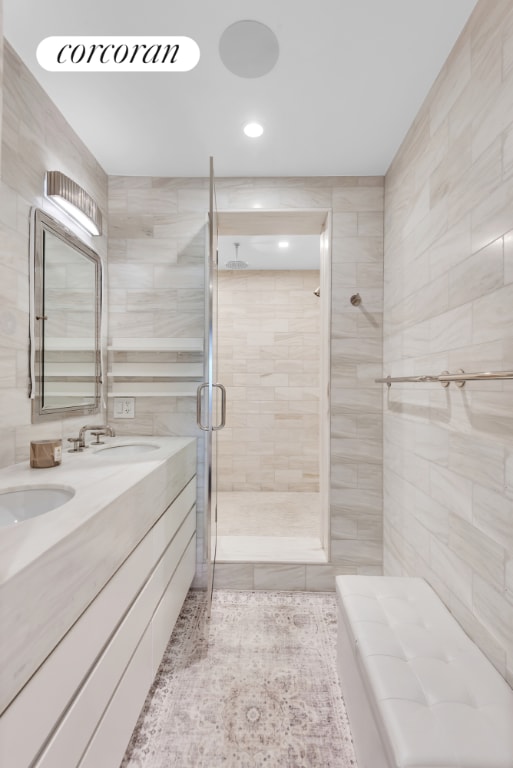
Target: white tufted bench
column 418, row 691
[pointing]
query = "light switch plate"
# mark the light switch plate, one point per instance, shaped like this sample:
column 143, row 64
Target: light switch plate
column 124, row 407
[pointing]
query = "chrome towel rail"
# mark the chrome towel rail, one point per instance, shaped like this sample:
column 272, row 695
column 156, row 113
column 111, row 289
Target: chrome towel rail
column 445, row 378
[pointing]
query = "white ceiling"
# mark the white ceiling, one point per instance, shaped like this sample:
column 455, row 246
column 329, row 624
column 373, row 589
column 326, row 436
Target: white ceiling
column 350, row 78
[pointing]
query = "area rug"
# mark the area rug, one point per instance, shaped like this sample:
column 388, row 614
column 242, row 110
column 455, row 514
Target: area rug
column 254, row 686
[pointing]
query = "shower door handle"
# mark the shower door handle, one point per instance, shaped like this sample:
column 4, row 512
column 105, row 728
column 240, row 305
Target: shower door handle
column 198, row 407
column 223, row 407
column 222, row 423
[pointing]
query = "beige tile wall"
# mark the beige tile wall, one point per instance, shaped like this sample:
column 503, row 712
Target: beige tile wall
column 269, row 362
column 156, row 251
column 1, row 68
column 448, row 454
column 157, row 236
column 35, row 138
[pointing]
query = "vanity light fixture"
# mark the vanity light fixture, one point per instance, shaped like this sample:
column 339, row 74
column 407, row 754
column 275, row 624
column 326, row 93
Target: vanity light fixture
column 253, row 130
column 69, row 196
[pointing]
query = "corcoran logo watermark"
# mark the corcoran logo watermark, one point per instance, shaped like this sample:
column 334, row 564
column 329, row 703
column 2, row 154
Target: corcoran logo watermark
column 118, row 54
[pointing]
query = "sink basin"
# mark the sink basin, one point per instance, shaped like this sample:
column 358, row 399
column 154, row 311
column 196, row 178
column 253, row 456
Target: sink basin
column 129, row 449
column 21, row 504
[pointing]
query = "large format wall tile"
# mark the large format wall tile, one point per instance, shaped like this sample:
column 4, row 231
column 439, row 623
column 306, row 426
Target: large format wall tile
column 1, row 69
column 263, row 306
column 156, row 281
column 448, row 511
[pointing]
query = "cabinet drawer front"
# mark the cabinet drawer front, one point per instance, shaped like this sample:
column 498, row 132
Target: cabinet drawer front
column 75, row 730
column 111, row 738
column 45, row 697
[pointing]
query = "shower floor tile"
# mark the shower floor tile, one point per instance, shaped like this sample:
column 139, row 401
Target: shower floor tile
column 265, row 527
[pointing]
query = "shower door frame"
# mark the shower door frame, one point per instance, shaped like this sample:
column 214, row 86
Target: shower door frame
column 224, row 222
column 207, row 393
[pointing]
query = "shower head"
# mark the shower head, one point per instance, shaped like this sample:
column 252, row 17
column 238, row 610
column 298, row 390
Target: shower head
column 236, row 263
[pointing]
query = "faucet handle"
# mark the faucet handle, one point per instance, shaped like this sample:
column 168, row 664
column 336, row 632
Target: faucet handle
column 76, row 444
column 97, row 435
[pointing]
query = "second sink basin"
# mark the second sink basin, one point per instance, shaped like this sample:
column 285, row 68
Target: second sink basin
column 128, row 449
column 29, row 501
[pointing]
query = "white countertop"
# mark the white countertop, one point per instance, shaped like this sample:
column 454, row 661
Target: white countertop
column 53, row 565
column 89, row 469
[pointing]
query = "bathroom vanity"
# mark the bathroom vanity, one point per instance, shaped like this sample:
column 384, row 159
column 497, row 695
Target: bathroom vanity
column 89, row 594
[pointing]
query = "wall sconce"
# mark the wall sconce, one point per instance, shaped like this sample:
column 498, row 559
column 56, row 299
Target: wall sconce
column 69, row 196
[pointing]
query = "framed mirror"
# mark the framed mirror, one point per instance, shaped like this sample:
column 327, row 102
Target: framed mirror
column 66, row 306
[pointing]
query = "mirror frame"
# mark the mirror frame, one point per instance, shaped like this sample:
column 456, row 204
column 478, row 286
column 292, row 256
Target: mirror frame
column 42, row 222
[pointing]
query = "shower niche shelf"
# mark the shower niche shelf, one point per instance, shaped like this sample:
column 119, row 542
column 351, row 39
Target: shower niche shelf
column 156, row 345
column 163, row 367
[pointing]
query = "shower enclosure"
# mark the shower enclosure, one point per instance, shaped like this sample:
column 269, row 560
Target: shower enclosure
column 226, row 397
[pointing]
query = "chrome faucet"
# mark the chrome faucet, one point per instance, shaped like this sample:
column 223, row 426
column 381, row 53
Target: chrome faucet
column 104, row 429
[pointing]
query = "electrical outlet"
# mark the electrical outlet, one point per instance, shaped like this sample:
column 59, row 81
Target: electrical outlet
column 124, row 407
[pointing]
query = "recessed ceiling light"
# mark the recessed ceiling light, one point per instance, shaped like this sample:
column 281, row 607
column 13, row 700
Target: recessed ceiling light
column 283, row 244
column 253, row 130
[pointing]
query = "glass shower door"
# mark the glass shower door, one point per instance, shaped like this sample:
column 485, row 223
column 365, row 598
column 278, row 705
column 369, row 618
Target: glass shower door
column 211, row 405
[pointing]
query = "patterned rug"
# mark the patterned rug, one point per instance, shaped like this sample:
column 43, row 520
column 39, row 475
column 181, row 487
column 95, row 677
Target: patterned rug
column 256, row 686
